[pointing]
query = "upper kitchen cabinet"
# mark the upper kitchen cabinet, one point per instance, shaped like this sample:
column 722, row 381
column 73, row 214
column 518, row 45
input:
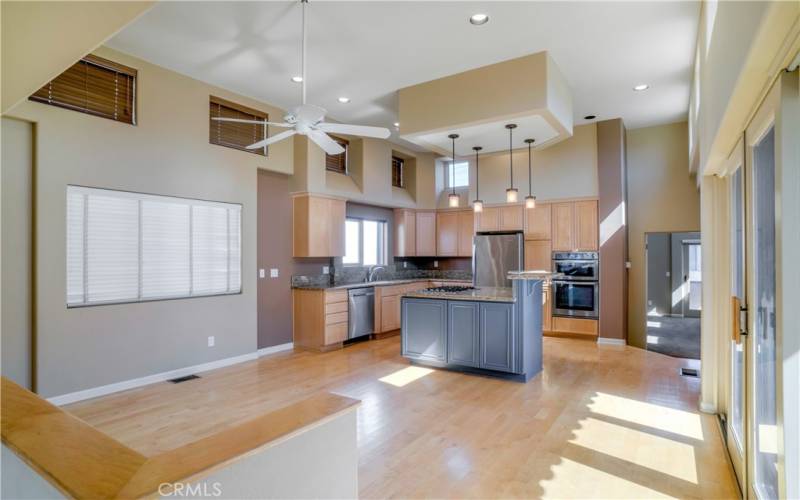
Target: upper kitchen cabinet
column 447, row 234
column 574, row 226
column 538, row 222
column 405, row 223
column 426, row 234
column 318, row 226
column 488, row 219
column 466, row 230
column 511, row 218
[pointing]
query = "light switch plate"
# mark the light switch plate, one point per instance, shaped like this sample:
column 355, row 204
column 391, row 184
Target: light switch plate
column 435, row 263
column 273, row 273
column 262, row 273
column 325, row 269
column 628, row 265
column 211, row 341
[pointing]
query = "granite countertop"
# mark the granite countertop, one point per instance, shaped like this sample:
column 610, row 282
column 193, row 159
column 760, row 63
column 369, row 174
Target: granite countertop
column 362, row 284
column 534, row 275
column 487, row 294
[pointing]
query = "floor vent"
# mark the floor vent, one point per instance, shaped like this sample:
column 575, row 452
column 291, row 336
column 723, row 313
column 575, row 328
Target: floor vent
column 690, row 372
column 183, row 379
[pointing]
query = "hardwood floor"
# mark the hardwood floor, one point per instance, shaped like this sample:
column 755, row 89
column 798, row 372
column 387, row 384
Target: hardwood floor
column 599, row 421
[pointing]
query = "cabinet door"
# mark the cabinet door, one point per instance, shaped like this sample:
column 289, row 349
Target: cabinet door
column 336, row 218
column 537, row 222
column 562, row 231
column 547, row 309
column 511, row 218
column 538, row 255
column 488, row 220
column 466, row 230
column 405, row 233
column 424, row 333
column 447, row 234
column 426, row 234
column 390, row 317
column 586, row 225
column 497, row 336
column 463, row 333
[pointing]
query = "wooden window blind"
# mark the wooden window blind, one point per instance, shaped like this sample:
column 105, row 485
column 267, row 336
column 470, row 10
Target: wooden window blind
column 338, row 163
column 95, row 86
column 397, row 171
column 235, row 135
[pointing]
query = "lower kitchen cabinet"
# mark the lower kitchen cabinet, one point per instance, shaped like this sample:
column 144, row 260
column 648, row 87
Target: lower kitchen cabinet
column 390, row 313
column 497, row 336
column 424, row 329
column 463, row 333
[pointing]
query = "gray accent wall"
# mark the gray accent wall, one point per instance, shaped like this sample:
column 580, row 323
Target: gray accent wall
column 659, row 291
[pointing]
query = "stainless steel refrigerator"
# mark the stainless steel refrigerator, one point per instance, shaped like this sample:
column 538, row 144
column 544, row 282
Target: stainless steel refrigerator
column 494, row 255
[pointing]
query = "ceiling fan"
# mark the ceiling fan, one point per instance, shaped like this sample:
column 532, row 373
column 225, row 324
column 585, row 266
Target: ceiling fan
column 309, row 120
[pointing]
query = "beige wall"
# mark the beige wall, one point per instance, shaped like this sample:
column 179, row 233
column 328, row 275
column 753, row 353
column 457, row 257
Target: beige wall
column 167, row 153
column 42, row 39
column 662, row 197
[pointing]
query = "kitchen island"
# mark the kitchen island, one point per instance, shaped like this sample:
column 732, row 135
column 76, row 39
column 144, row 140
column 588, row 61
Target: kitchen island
column 493, row 331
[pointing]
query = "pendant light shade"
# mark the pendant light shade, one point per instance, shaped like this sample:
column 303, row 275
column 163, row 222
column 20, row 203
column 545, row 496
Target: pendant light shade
column 477, row 205
column 453, row 198
column 530, row 200
column 511, row 192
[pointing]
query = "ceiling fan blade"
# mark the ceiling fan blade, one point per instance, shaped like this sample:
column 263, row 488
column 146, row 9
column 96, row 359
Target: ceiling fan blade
column 360, row 130
column 270, row 140
column 257, row 122
column 325, row 142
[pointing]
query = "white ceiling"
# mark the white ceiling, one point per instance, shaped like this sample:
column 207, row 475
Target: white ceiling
column 368, row 50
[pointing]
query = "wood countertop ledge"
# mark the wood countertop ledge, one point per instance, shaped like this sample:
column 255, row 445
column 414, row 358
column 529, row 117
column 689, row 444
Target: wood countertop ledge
column 82, row 462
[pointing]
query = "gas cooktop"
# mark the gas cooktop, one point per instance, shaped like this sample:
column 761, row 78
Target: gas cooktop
column 448, row 289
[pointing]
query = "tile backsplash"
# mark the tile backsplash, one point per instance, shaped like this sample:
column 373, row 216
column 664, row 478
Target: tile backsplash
column 345, row 275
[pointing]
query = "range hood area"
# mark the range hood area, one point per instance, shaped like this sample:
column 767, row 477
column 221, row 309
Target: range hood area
column 477, row 104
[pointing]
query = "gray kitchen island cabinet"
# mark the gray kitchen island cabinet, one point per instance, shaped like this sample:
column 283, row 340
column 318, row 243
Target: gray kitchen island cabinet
column 497, row 337
column 427, row 319
column 463, row 333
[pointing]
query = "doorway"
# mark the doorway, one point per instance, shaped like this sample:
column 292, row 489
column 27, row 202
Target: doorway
column 674, row 290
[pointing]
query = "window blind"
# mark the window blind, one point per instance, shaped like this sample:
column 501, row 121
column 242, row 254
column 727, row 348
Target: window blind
column 235, row 135
column 95, row 86
column 129, row 247
column 397, row 171
column 338, row 163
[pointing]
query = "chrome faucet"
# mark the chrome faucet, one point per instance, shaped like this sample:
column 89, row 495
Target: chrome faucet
column 373, row 271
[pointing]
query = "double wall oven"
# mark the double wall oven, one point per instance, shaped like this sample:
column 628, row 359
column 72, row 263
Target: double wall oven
column 577, row 294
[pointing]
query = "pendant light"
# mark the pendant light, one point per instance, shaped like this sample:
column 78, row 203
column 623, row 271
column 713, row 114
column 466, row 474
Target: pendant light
column 453, row 197
column 530, row 200
column 511, row 192
column 477, row 205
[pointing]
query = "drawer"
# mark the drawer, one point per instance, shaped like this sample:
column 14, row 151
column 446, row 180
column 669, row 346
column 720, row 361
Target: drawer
column 335, row 296
column 575, row 325
column 335, row 333
column 335, row 307
column 388, row 291
column 331, row 319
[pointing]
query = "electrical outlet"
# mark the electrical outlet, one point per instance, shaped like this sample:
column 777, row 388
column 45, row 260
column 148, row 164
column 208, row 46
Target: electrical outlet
column 211, row 341
column 273, row 273
column 435, row 263
column 262, row 273
column 325, row 270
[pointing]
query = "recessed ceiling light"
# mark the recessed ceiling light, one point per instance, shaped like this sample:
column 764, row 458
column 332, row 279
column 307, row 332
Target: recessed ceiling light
column 590, row 117
column 478, row 19
column 396, row 124
column 297, row 79
column 640, row 87
column 344, row 100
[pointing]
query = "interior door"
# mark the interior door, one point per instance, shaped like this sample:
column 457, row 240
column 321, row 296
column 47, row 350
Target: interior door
column 691, row 264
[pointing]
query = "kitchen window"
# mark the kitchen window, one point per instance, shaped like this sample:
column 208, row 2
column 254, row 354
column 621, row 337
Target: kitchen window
column 365, row 243
column 133, row 247
column 457, row 174
column 338, row 163
column 233, row 134
column 94, row 86
column 397, row 171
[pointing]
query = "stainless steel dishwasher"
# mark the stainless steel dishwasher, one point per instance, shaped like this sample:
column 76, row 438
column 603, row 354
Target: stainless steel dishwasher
column 361, row 311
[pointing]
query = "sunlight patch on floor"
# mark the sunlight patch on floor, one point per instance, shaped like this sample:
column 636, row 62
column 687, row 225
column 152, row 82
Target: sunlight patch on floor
column 654, row 324
column 652, row 339
column 652, row 415
column 660, row 454
column 405, row 376
column 574, row 480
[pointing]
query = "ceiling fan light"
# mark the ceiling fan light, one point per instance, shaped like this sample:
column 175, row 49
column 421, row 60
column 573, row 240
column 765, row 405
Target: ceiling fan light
column 477, row 206
column 453, row 200
column 512, row 195
column 530, row 201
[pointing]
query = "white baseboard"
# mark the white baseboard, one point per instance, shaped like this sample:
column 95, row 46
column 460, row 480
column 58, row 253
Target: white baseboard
column 104, row 390
column 607, row 341
column 275, row 348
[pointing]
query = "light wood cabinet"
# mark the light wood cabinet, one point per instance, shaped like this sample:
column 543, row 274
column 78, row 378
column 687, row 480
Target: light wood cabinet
column 447, row 234
column 575, row 226
column 319, row 318
column 466, row 230
column 577, row 326
column 511, row 218
column 405, row 239
column 488, row 220
column 390, row 313
column 318, row 226
column 538, row 255
column 547, row 309
column 426, row 234
column 538, row 222
column 562, row 226
column 586, row 225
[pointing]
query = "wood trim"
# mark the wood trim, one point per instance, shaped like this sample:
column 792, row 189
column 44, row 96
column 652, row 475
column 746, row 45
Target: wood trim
column 239, row 107
column 114, row 66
